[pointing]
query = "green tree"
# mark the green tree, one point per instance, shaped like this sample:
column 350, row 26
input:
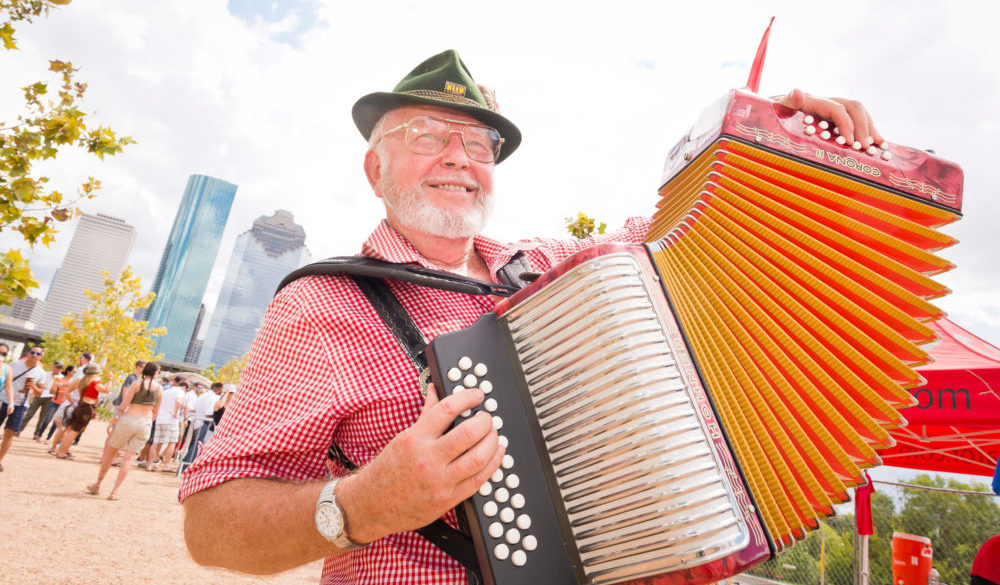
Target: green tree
column 108, row 330
column 229, row 373
column 210, row 373
column 959, row 521
column 47, row 124
column 583, row 226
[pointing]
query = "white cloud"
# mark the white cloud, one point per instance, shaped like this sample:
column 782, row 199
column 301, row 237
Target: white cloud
column 600, row 92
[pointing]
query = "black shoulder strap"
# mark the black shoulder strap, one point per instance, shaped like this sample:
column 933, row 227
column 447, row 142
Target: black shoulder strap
column 370, row 267
column 395, row 317
column 457, row 545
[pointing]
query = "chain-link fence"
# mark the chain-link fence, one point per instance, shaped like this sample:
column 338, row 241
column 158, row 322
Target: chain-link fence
column 957, row 517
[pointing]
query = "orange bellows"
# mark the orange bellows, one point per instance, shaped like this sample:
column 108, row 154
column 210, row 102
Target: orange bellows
column 803, row 295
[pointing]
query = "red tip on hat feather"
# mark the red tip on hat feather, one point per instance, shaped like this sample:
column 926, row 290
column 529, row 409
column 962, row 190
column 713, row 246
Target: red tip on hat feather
column 753, row 82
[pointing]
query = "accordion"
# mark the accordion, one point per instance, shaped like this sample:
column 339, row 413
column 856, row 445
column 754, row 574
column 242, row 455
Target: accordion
column 680, row 410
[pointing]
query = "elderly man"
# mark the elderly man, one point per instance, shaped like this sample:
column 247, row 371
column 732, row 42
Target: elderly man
column 324, row 368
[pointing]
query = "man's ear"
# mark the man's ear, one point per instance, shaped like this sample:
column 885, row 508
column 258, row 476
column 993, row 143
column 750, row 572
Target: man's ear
column 373, row 170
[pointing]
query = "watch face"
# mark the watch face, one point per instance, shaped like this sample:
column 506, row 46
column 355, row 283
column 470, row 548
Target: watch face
column 329, row 521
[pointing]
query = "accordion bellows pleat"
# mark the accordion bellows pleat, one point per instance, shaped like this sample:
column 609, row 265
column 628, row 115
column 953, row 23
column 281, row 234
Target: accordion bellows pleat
column 803, row 295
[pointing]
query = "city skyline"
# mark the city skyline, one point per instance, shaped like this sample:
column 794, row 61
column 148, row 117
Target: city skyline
column 187, row 263
column 262, row 256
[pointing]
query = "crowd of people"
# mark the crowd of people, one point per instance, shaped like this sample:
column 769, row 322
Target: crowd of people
column 160, row 421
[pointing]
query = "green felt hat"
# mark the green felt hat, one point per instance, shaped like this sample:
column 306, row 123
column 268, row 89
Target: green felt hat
column 444, row 81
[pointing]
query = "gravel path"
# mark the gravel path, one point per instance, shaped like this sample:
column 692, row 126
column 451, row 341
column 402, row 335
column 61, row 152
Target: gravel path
column 53, row 533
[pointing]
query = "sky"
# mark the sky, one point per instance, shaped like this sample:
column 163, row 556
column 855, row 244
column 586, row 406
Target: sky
column 259, row 94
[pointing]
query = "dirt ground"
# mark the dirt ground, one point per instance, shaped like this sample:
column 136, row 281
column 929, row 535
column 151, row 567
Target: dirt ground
column 52, row 532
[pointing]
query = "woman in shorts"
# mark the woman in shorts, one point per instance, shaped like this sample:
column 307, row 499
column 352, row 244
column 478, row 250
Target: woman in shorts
column 140, row 402
column 90, row 389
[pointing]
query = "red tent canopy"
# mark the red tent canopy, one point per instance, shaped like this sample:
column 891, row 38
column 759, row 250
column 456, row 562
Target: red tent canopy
column 955, row 426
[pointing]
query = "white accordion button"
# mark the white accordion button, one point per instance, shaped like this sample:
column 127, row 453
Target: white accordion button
column 808, row 120
column 519, row 558
column 517, row 501
column 480, row 369
column 465, row 362
column 836, row 130
column 486, row 386
column 490, row 405
column 823, row 124
column 457, row 389
column 485, row 489
column 856, row 145
column 884, row 145
column 466, row 413
column 501, row 551
column 886, row 155
column 871, row 150
column 513, row 536
column 529, row 542
column 490, row 509
column 497, row 476
column 470, row 381
column 810, row 130
column 524, row 522
column 496, row 530
column 825, row 135
column 502, row 495
column 506, row 515
column 454, row 374
column 497, row 423
column 503, row 440
column 507, row 462
column 513, row 481
column 841, row 140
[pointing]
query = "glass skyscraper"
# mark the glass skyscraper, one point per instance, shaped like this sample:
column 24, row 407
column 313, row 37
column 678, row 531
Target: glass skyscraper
column 187, row 262
column 262, row 256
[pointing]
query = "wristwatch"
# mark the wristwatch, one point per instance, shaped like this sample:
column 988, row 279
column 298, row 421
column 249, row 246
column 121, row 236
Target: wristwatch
column 331, row 521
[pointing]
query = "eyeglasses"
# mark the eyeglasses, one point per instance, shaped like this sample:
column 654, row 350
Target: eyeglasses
column 35, row 352
column 428, row 135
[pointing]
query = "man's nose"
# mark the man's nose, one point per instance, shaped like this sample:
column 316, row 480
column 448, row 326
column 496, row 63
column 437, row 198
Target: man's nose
column 454, row 155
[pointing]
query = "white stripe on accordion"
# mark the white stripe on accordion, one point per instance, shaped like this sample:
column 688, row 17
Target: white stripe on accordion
column 642, row 487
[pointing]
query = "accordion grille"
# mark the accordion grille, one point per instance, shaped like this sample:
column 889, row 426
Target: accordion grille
column 642, row 488
column 803, row 295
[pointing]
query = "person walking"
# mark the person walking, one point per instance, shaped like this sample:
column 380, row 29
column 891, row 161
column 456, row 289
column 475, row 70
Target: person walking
column 139, row 407
column 42, row 400
column 203, row 423
column 6, row 388
column 24, row 374
column 91, row 389
column 166, row 430
column 60, row 392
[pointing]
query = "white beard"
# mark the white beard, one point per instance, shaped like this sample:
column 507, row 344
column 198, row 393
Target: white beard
column 412, row 209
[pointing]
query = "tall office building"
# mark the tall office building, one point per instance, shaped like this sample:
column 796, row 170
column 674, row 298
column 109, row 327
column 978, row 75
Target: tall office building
column 262, row 256
column 100, row 242
column 187, row 262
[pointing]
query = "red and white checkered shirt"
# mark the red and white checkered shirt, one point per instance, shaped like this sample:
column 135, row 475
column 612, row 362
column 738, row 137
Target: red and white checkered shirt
column 324, row 368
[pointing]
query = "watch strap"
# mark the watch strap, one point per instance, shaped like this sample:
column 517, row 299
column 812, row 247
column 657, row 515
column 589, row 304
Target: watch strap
column 328, row 497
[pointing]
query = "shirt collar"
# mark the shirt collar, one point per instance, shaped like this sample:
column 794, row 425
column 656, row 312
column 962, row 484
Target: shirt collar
column 385, row 243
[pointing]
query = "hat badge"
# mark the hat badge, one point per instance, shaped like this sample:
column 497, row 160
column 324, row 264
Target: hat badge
column 454, row 88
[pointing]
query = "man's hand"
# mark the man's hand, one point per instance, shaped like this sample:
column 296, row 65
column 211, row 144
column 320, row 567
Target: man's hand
column 853, row 120
column 424, row 471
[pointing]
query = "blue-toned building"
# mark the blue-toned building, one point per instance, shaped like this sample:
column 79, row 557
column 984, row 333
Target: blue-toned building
column 262, row 256
column 187, row 262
